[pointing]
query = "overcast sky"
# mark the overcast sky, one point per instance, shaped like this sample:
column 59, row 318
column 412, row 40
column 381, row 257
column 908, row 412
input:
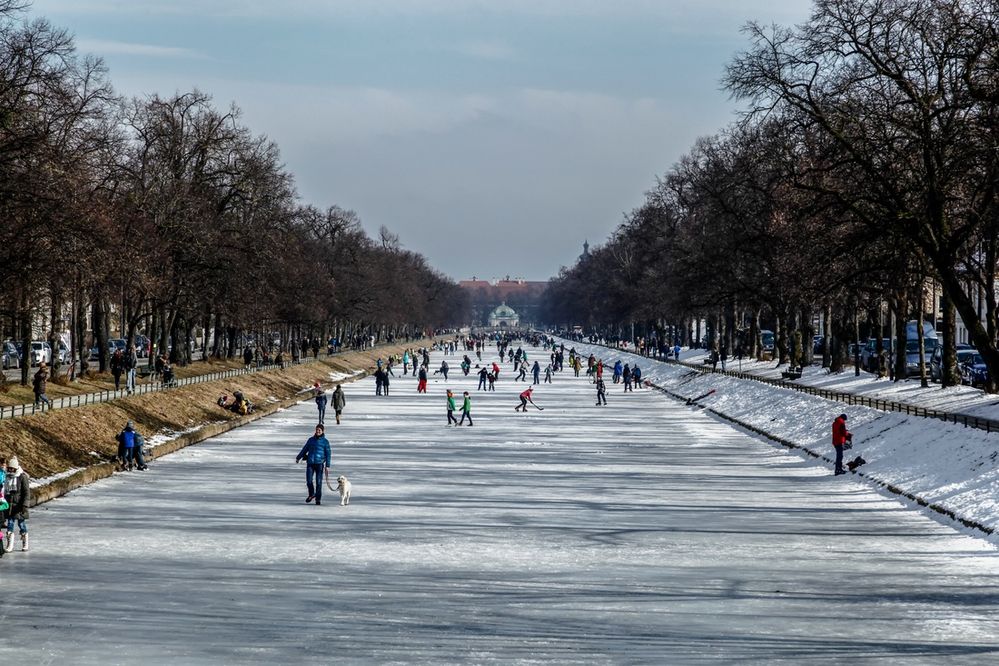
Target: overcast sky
column 492, row 136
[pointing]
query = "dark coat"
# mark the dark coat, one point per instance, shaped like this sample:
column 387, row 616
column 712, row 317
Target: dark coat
column 40, row 382
column 18, row 492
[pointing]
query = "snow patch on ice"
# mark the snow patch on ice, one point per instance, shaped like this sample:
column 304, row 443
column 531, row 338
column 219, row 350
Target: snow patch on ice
column 45, row 480
column 165, row 436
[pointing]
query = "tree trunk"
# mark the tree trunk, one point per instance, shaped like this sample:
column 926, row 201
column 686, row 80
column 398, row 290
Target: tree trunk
column 920, row 314
column 100, row 324
column 827, row 335
column 900, row 309
column 948, row 358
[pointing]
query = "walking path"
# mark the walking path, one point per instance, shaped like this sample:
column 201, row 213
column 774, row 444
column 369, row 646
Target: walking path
column 640, row 532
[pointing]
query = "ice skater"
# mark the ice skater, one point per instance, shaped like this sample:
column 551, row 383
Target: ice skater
column 466, row 409
column 450, row 409
column 321, row 400
column 17, row 492
column 339, row 401
column 483, row 376
column 601, row 392
column 536, row 371
column 525, row 398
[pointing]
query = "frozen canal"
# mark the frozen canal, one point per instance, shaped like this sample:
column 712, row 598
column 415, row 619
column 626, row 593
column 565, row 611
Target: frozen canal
column 640, row 532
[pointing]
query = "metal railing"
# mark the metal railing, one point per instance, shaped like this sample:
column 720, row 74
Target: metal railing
column 97, row 397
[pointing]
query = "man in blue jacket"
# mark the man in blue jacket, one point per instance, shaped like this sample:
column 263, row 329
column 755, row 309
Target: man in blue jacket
column 318, row 456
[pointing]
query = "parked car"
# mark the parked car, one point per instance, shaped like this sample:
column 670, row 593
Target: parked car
column 40, row 352
column 818, row 344
column 10, row 355
column 936, row 360
column 767, row 341
column 111, row 348
column 869, row 354
column 141, row 346
column 971, row 365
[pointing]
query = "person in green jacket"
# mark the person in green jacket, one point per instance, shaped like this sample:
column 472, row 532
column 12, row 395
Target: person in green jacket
column 466, row 410
column 450, row 408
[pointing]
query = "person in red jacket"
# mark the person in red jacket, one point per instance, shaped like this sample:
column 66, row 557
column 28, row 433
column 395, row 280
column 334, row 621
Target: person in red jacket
column 840, row 436
column 525, row 397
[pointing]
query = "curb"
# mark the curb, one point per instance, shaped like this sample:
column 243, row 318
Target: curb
column 895, row 490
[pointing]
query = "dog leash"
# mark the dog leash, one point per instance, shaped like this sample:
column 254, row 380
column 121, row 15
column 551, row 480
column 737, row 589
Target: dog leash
column 328, row 485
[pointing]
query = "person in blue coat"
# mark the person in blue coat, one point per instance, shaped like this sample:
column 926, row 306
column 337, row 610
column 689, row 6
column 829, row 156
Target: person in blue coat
column 318, row 457
column 618, row 370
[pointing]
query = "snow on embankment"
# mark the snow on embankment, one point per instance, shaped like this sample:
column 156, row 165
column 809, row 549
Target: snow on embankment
column 945, row 465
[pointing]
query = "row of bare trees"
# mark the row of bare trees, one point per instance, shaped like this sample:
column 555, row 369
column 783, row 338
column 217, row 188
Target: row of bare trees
column 169, row 215
column 861, row 178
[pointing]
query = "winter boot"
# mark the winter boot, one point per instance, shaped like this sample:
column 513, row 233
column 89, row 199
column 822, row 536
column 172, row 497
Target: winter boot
column 6, row 541
column 24, row 541
column 2, row 549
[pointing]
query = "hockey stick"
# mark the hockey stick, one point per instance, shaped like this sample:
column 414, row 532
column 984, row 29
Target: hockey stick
column 540, row 409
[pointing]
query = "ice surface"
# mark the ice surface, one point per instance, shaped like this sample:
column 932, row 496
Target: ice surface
column 943, row 463
column 640, row 532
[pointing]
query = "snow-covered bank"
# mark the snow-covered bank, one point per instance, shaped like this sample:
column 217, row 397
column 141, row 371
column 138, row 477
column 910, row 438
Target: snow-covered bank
column 963, row 400
column 947, row 465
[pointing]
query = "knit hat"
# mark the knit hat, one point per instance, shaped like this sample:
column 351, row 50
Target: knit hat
column 13, row 463
column 130, row 426
column 843, row 416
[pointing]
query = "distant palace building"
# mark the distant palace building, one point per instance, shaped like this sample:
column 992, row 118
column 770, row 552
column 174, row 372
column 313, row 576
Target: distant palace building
column 504, row 317
column 521, row 297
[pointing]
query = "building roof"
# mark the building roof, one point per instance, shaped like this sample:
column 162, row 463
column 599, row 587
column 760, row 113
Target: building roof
column 504, row 311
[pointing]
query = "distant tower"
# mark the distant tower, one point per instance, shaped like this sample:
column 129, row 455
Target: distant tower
column 586, row 248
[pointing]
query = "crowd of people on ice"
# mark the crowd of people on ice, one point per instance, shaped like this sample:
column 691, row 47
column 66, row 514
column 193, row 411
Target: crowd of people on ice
column 522, row 355
column 317, row 452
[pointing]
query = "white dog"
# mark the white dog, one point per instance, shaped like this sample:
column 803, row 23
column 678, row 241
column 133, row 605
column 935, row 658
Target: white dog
column 343, row 486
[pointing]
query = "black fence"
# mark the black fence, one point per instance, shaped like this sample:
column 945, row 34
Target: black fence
column 988, row 425
column 151, row 385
